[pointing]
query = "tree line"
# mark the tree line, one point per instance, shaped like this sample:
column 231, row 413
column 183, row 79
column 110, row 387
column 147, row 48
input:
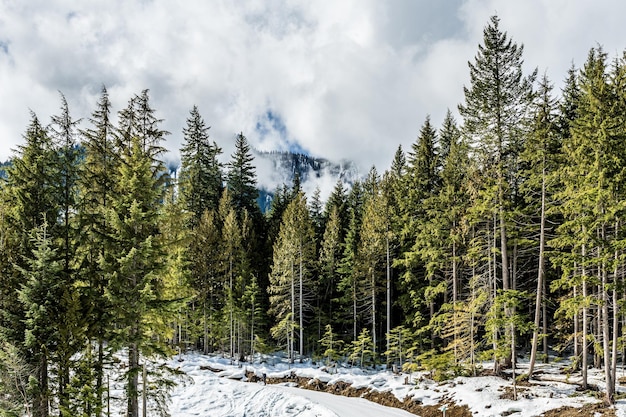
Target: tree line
column 499, row 233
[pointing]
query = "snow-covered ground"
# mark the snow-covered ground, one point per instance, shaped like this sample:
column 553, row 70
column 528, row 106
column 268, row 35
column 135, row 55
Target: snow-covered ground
column 226, row 392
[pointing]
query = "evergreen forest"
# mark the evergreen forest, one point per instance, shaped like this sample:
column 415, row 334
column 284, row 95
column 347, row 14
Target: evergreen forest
column 500, row 234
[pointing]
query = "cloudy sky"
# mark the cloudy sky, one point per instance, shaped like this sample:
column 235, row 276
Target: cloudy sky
column 341, row 79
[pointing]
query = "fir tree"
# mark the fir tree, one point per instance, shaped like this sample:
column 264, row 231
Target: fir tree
column 494, row 116
column 201, row 175
column 40, row 294
column 241, row 177
column 291, row 281
column 135, row 287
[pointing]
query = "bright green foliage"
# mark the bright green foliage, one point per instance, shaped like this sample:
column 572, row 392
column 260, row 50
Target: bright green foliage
column 400, row 340
column 361, row 351
column 506, row 320
column 440, row 365
column 331, row 344
column 173, row 320
column 136, row 288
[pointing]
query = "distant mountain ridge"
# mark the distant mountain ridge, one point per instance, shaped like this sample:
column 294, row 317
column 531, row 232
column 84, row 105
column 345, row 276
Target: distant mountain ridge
column 277, row 168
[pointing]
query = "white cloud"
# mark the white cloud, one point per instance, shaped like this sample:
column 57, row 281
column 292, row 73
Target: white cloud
column 349, row 80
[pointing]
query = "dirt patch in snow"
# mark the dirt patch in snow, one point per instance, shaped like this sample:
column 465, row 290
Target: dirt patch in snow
column 587, row 410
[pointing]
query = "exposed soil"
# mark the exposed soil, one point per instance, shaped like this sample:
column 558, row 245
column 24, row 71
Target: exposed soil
column 588, row 410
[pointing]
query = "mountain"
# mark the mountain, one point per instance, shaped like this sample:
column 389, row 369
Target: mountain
column 277, row 168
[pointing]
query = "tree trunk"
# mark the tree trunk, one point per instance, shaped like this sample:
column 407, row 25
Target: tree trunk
column 133, row 378
column 293, row 312
column 41, row 403
column 540, row 276
column 585, row 325
column 609, row 398
column 388, row 292
column 374, row 309
column 301, row 302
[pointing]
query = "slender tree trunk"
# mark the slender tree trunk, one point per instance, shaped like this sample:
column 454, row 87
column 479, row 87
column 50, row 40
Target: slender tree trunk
column 540, row 276
column 615, row 320
column 230, row 311
column 544, row 315
column 301, row 302
column 585, row 324
column 608, row 374
column 144, row 391
column 133, row 378
column 354, row 310
column 41, row 403
column 513, row 361
column 205, row 344
column 504, row 254
column 576, row 332
column 293, row 312
column 388, row 292
column 374, row 309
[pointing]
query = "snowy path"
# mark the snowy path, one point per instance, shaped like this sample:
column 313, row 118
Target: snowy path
column 210, row 395
column 347, row 406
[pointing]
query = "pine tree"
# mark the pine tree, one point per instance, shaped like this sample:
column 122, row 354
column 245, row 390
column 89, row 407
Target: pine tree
column 63, row 132
column 40, row 294
column 29, row 202
column 420, row 183
column 135, row 286
column 241, row 178
column 361, row 350
column 234, row 264
column 331, row 344
column 329, row 261
column 350, row 266
column 372, row 249
column 201, row 175
column 494, row 116
column 291, row 281
column 590, row 201
column 541, row 156
column 96, row 181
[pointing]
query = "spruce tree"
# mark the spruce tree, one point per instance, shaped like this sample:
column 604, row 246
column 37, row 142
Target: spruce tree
column 29, row 202
column 541, row 158
column 40, row 294
column 419, row 184
column 201, row 174
column 291, row 281
column 241, row 178
column 63, row 132
column 135, row 277
column 96, row 181
column 494, row 116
